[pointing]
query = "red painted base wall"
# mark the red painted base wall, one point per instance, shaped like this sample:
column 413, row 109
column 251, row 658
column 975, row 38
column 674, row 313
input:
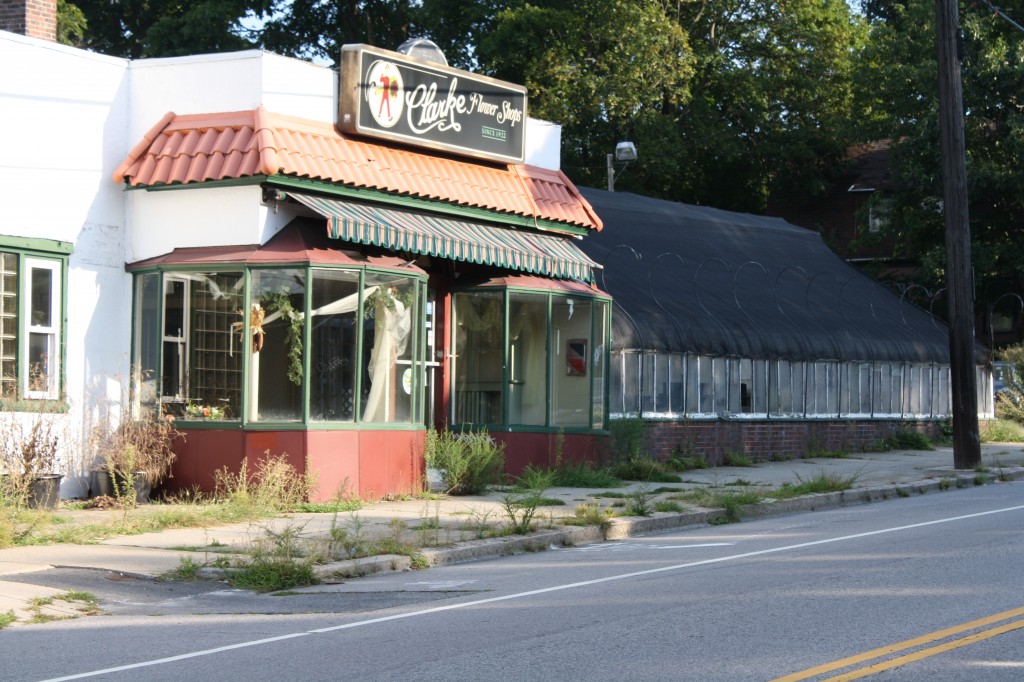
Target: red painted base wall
column 366, row 464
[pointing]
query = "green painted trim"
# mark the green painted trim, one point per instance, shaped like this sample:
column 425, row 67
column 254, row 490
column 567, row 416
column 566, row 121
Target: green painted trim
column 34, row 406
column 434, row 206
column 38, row 246
column 528, row 428
column 207, row 184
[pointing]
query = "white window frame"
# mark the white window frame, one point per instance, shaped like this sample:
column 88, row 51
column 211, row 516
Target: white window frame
column 52, row 331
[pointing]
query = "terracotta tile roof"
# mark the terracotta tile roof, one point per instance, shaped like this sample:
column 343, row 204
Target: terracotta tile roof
column 202, row 147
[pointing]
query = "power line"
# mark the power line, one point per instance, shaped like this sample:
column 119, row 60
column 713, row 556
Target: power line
column 1003, row 15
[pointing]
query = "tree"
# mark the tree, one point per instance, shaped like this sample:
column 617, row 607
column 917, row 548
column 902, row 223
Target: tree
column 163, row 28
column 772, row 99
column 316, row 29
column 899, row 88
column 71, row 24
column 606, row 70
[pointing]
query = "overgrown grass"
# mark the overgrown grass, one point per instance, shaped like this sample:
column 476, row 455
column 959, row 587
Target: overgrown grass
column 1002, row 431
column 7, row 619
column 737, row 459
column 820, row 483
column 585, row 475
column 902, row 440
column 644, row 468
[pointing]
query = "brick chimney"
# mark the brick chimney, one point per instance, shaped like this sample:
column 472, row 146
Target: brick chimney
column 33, row 18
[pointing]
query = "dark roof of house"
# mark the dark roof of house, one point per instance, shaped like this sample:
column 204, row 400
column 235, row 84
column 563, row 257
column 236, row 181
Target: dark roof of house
column 696, row 279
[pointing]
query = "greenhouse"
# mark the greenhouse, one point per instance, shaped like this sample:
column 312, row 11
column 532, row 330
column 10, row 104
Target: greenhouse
column 722, row 317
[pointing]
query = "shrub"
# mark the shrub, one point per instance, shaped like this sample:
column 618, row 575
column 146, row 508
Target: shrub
column 1010, row 401
column 626, row 435
column 908, row 440
column 1003, row 431
column 469, row 462
column 585, row 475
column 643, row 469
column 275, row 486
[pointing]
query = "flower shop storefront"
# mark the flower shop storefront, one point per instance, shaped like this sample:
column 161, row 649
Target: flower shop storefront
column 344, row 358
column 401, row 274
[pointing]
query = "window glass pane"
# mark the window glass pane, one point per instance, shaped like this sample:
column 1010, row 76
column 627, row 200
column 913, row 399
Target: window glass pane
column 42, row 359
column 692, row 384
column 213, row 327
column 600, row 341
column 616, row 386
column 528, row 359
column 8, row 325
column 647, row 381
column 41, row 348
column 41, row 306
column 677, row 366
column 631, row 383
column 705, row 400
column 720, row 370
column 146, row 353
column 390, row 377
column 276, row 375
column 570, row 361
column 477, row 366
column 174, row 339
column 333, row 344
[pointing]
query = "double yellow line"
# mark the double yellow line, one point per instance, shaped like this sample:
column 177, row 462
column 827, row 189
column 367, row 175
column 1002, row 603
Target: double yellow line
column 911, row 644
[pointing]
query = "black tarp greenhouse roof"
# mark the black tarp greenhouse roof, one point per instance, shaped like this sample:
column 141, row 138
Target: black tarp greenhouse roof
column 697, row 279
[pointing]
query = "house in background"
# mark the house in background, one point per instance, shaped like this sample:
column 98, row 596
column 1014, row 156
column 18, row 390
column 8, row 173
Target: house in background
column 194, row 238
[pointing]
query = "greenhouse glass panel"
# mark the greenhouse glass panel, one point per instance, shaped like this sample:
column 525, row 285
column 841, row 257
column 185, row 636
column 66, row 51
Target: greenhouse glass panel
column 333, row 335
column 600, row 371
column 478, row 350
column 647, row 381
column 720, row 373
column 691, row 384
column 570, row 361
column 528, row 359
column 275, row 365
column 677, row 367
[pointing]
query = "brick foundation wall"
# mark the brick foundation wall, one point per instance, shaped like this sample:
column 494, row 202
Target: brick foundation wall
column 763, row 440
column 33, row 18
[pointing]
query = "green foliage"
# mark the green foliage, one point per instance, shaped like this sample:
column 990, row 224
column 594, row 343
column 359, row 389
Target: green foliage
column 520, row 508
column 585, row 475
column 908, row 440
column 274, row 487
column 737, row 459
column 897, row 93
column 591, row 514
column 1010, row 401
column 644, row 469
column 626, row 437
column 275, row 563
column 469, row 462
column 139, row 28
column 7, row 619
column 668, row 506
column 821, row 483
column 640, row 502
column 1003, row 431
column 71, row 23
column 281, row 302
column 533, row 478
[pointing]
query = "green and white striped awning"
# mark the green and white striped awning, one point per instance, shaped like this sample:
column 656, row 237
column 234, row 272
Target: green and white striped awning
column 399, row 230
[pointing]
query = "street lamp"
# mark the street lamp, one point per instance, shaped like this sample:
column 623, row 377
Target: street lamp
column 624, row 152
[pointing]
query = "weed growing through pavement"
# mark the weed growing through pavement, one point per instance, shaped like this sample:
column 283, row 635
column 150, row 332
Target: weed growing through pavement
column 820, row 483
column 640, row 502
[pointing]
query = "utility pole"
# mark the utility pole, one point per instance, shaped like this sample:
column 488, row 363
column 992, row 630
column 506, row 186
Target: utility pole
column 959, row 284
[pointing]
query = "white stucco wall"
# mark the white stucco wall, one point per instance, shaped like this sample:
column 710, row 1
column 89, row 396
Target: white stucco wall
column 63, row 112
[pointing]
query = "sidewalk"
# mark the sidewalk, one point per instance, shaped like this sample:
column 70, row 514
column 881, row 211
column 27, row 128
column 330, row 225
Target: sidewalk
column 453, row 523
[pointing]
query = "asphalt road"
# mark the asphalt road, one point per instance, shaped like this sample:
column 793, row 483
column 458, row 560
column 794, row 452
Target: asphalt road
column 933, row 581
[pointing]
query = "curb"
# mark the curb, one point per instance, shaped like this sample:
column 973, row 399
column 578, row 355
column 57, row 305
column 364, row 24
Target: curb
column 625, row 527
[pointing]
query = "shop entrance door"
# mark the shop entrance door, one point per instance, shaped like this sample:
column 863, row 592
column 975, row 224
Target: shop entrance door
column 431, row 364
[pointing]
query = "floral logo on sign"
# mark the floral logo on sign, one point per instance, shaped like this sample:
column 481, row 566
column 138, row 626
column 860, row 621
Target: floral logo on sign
column 384, row 94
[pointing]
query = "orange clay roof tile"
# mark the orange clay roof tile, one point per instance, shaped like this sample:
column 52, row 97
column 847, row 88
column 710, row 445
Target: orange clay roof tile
column 203, row 147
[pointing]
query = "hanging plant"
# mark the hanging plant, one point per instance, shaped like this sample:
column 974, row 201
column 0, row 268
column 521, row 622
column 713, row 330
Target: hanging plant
column 385, row 297
column 281, row 302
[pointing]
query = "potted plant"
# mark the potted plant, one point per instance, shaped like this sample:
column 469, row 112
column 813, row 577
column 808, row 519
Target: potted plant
column 136, row 456
column 28, row 456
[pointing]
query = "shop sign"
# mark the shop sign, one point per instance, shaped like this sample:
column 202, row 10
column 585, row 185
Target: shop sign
column 390, row 95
